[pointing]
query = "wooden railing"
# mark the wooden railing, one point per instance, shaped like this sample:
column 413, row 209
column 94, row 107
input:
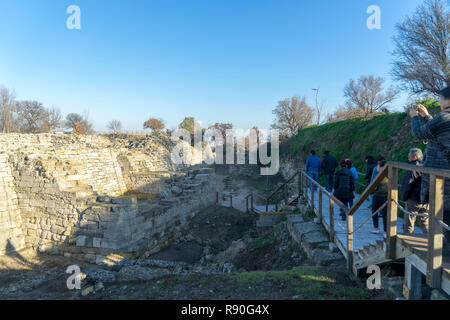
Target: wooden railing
column 284, row 188
column 329, row 225
column 391, row 171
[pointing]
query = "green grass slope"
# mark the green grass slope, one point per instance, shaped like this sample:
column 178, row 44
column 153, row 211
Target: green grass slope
column 387, row 135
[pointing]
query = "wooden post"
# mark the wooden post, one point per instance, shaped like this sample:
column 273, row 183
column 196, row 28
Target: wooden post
column 305, row 180
column 246, row 204
column 435, row 236
column 217, row 197
column 252, row 203
column 331, row 220
column 286, row 197
column 320, row 206
column 312, row 196
column 231, row 201
column 391, row 224
column 412, row 284
column 299, row 182
column 267, row 205
column 350, row 243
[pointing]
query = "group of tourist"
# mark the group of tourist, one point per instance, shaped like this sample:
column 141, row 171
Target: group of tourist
column 414, row 186
column 343, row 181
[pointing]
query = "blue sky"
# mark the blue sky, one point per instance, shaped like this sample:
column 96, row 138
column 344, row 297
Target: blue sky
column 216, row 60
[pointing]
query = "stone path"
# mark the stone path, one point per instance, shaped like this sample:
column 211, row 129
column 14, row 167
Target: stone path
column 363, row 237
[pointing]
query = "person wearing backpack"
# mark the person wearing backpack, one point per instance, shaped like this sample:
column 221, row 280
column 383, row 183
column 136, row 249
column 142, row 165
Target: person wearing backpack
column 344, row 187
column 437, row 154
column 380, row 196
column 329, row 165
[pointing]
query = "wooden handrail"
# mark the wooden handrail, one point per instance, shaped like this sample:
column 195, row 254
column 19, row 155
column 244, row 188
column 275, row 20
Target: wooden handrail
column 410, row 167
column 390, row 170
column 369, row 190
column 330, row 195
column 283, row 185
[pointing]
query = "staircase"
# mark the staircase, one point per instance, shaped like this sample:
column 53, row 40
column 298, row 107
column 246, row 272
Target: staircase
column 374, row 253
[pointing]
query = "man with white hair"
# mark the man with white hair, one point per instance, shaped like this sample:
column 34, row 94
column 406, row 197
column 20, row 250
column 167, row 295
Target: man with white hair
column 411, row 186
column 437, row 154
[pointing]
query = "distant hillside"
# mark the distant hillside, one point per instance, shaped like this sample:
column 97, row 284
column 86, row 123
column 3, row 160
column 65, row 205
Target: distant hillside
column 388, row 135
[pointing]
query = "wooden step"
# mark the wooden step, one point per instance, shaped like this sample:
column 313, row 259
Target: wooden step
column 373, row 248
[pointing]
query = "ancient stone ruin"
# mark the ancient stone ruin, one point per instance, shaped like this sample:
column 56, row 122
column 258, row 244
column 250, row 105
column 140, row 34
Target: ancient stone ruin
column 95, row 195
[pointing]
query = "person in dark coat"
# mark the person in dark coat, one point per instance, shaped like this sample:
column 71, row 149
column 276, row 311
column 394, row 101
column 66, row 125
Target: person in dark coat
column 344, row 186
column 410, row 192
column 329, row 165
column 437, row 131
column 380, row 196
column 370, row 165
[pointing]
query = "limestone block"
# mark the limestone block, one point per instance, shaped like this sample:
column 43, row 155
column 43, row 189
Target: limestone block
column 81, row 241
column 96, row 242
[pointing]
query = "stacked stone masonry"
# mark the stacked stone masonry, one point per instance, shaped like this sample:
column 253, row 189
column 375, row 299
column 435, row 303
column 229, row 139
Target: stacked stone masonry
column 95, row 195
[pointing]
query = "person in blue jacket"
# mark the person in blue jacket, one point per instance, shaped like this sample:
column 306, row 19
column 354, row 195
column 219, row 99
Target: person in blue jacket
column 313, row 166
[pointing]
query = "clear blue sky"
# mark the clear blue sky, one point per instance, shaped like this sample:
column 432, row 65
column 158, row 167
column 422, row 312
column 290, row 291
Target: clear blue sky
column 216, row 60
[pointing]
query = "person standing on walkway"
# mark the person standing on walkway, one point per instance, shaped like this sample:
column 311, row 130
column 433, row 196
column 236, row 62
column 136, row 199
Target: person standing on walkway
column 380, row 196
column 344, row 187
column 313, row 166
column 329, row 165
column 437, row 153
column 410, row 192
column 371, row 164
column 354, row 174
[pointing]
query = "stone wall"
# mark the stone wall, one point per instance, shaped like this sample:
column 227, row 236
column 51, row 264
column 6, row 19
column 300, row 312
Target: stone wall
column 11, row 235
column 93, row 195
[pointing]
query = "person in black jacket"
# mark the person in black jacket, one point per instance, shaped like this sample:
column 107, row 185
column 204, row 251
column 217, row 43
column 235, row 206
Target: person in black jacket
column 370, row 165
column 344, row 186
column 329, row 165
column 411, row 186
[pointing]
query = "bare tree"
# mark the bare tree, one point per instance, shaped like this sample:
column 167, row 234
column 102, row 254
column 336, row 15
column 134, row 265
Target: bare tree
column 222, row 127
column 115, row 126
column 79, row 124
column 154, row 124
column 292, row 115
column 53, row 120
column 422, row 53
column 31, row 116
column 7, row 110
column 367, row 94
column 72, row 119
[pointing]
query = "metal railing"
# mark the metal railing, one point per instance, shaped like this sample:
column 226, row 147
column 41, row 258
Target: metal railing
column 249, row 202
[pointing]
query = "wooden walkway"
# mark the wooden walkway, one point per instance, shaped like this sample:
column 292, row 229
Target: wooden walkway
column 362, row 248
column 363, row 237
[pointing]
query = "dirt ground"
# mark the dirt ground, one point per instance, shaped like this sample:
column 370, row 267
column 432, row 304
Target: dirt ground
column 213, row 229
column 260, row 269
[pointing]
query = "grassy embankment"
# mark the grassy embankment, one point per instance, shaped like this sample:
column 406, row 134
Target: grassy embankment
column 387, row 135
